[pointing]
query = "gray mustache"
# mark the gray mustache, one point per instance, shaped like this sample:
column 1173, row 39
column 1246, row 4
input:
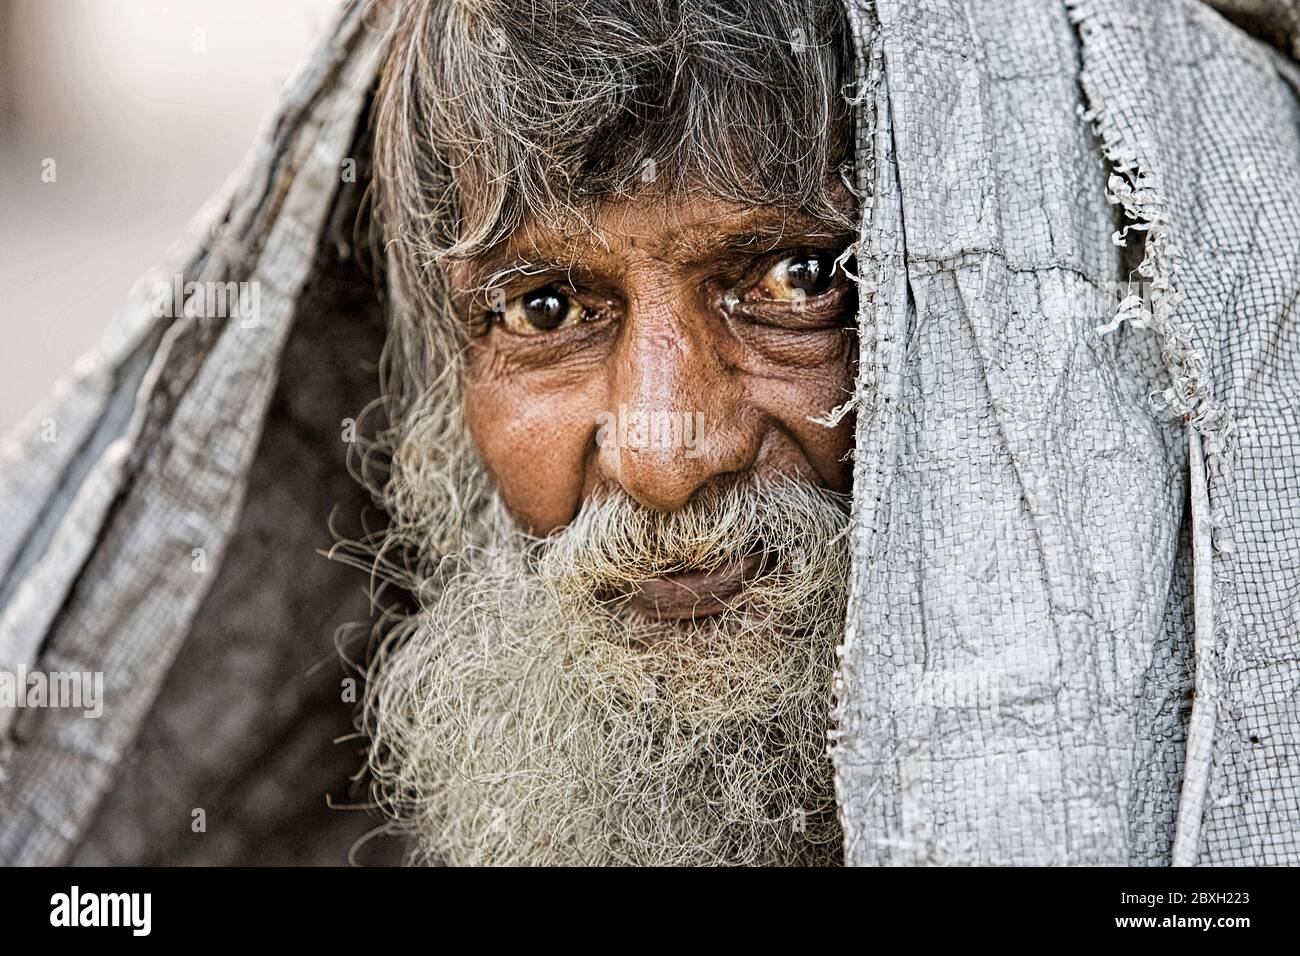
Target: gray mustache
column 615, row 542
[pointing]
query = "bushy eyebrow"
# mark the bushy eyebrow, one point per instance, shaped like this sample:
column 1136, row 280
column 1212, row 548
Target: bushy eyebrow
column 761, row 242
column 494, row 272
column 766, row 229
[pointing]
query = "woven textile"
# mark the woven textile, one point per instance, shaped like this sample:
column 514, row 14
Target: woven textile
column 1073, row 630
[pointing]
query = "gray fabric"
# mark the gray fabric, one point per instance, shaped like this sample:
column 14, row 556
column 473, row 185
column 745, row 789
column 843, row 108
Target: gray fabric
column 244, row 721
column 101, row 525
column 1015, row 675
column 1220, row 154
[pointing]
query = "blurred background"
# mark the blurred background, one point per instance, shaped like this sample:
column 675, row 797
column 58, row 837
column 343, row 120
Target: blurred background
column 145, row 107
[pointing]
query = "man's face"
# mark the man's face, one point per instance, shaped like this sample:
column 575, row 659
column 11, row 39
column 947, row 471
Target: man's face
column 670, row 345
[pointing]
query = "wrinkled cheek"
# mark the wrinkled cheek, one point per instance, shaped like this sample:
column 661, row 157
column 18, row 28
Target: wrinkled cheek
column 838, row 435
column 809, row 406
column 535, row 447
column 834, row 450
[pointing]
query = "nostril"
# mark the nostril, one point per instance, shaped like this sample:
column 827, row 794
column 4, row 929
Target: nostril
column 659, row 483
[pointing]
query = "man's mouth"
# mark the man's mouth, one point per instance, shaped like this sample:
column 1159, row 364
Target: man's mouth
column 694, row 594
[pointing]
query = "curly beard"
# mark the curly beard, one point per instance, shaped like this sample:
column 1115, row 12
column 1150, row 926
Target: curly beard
column 525, row 717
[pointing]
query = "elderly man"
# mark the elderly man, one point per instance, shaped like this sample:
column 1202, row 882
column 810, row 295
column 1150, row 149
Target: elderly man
column 620, row 236
column 806, row 432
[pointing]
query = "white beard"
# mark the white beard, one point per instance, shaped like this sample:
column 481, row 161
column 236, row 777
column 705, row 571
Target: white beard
column 518, row 719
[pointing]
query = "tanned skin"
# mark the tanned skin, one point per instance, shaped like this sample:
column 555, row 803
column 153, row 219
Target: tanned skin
column 696, row 306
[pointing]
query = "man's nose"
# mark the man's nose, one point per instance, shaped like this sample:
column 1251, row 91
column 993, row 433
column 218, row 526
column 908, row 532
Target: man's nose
column 679, row 415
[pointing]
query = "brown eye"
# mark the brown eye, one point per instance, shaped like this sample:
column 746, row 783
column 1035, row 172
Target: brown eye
column 546, row 309
column 799, row 277
column 542, row 310
column 812, row 275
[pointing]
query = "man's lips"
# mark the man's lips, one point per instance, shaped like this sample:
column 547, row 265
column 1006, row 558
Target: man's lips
column 694, row 593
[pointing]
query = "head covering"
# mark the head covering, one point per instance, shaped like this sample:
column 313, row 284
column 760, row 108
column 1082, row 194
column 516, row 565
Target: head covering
column 1075, row 612
column 1073, row 633
column 167, row 537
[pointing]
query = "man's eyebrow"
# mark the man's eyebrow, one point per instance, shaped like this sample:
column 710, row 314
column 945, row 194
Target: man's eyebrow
column 767, row 233
column 496, row 270
column 762, row 241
